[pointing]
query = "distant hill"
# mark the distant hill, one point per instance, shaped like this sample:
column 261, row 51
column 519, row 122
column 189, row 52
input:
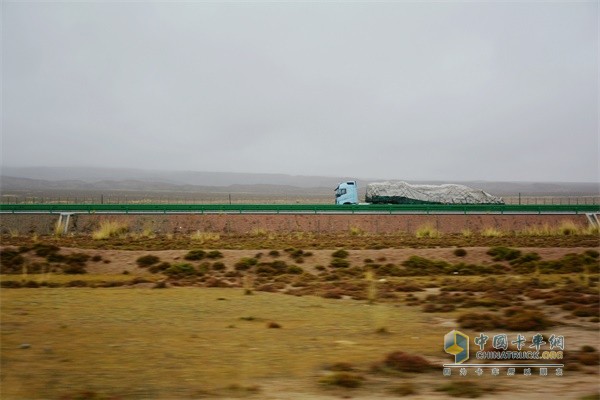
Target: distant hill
column 119, row 179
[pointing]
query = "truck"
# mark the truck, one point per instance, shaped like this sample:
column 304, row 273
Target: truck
column 346, row 193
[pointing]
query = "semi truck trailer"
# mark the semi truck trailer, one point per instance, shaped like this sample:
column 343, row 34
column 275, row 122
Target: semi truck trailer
column 404, row 193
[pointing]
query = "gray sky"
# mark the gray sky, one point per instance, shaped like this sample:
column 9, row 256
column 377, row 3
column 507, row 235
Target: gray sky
column 399, row 90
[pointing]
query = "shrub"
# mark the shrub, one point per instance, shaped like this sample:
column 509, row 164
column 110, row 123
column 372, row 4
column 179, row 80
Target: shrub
column 416, row 265
column 294, row 270
column 146, row 261
column 78, row 259
column 503, row 253
column 340, row 254
column 479, row 321
column 405, row 362
column 274, row 253
column 180, row 270
column 10, row 261
column 214, row 254
column 273, row 325
column 194, row 255
column 156, row 268
column 245, row 263
column 592, row 253
column 339, row 263
column 43, row 250
column 525, row 320
column 218, row 266
column 343, row 379
column 460, row 252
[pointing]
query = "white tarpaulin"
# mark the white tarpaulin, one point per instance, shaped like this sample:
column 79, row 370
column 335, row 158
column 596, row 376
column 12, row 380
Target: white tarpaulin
column 405, row 193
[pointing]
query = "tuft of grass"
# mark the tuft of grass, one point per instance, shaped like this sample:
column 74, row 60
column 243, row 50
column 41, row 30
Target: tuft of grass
column 427, row 231
column 356, row 231
column 466, row 233
column 567, row 228
column 343, row 379
column 204, row 237
column 110, row 229
column 491, row 232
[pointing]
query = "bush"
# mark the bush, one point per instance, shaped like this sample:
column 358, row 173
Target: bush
column 479, row 321
column 180, row 270
column 294, row 270
column 339, row 263
column 503, row 253
column 245, row 263
column 340, row 254
column 214, row 254
column 77, row 259
column 274, row 253
column 10, row 261
column 43, row 250
column 405, row 362
column 146, row 261
column 163, row 266
column 218, row 266
column 416, row 265
column 194, row 255
column 343, row 379
column 73, row 269
column 460, row 252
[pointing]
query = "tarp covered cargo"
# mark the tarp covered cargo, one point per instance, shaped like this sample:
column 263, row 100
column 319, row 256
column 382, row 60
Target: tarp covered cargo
column 405, row 193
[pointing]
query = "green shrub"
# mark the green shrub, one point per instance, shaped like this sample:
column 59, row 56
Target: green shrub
column 416, row 265
column 339, row 263
column 180, row 270
column 343, row 379
column 146, row 261
column 294, row 270
column 78, row 259
column 214, row 254
column 245, row 263
column 195, row 255
column 503, row 253
column 156, row 268
column 340, row 254
column 218, row 266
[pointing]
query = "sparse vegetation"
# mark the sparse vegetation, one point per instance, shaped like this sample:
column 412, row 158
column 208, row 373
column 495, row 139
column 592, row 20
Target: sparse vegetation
column 427, row 231
column 110, row 229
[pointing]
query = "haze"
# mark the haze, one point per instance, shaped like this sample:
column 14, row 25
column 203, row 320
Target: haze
column 403, row 90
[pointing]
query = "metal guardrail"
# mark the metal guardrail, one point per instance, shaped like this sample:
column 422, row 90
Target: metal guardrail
column 296, row 209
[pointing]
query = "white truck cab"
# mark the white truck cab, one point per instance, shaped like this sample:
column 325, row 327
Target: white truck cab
column 346, row 193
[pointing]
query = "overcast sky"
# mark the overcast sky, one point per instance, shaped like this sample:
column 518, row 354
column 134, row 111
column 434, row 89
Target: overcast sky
column 399, row 90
